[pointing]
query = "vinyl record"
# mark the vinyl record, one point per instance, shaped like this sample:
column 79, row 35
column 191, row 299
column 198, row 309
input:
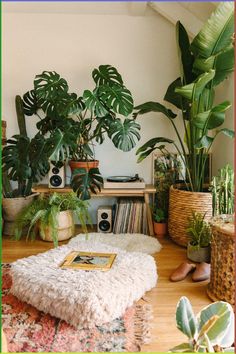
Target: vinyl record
column 122, row 179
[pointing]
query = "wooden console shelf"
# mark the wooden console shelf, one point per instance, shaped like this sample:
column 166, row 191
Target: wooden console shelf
column 139, row 192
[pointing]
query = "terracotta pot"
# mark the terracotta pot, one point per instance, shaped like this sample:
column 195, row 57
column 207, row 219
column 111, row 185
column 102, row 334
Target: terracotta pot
column 202, row 254
column 11, row 208
column 181, row 205
column 83, row 164
column 65, row 228
column 160, row 229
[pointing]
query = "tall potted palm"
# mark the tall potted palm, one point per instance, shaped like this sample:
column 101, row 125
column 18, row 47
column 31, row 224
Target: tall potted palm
column 204, row 64
column 82, row 121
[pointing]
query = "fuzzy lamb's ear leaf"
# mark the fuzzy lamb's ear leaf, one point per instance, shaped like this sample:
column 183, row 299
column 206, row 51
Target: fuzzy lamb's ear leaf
column 185, row 319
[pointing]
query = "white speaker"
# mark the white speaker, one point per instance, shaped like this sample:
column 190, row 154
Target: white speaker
column 104, row 218
column 56, row 175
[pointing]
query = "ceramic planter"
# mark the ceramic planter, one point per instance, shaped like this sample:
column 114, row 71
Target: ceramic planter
column 11, row 208
column 65, row 228
column 160, row 229
column 83, row 164
column 181, row 205
column 202, row 254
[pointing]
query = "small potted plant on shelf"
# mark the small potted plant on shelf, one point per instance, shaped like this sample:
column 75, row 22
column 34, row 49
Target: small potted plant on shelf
column 53, row 217
column 76, row 123
column 159, row 222
column 205, row 63
column 199, row 232
column 210, row 331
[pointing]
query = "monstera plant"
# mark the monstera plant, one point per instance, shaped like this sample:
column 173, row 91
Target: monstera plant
column 204, row 64
column 75, row 123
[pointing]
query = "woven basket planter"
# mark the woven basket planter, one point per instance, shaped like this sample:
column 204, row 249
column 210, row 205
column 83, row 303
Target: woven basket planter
column 181, row 205
column 222, row 280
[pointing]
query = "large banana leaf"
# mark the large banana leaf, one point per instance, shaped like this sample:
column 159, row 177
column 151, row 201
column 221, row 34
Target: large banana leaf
column 213, row 118
column 124, row 134
column 217, row 33
column 49, row 85
column 173, row 97
column 185, row 56
column 223, row 63
column 106, row 75
column 93, row 103
column 83, row 182
column 206, row 141
column 153, row 107
column 194, row 90
column 151, row 145
column 117, row 98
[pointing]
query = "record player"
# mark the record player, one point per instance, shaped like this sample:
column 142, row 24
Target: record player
column 127, row 182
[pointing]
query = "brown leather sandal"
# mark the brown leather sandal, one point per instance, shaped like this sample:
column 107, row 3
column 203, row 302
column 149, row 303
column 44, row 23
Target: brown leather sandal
column 182, row 271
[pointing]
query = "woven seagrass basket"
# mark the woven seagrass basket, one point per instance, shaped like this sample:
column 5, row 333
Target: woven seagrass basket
column 181, row 205
column 222, row 280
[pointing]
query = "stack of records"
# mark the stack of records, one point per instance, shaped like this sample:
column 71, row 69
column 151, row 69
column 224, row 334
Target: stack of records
column 131, row 216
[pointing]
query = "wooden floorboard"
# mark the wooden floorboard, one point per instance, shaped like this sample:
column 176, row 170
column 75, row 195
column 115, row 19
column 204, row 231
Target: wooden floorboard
column 163, row 297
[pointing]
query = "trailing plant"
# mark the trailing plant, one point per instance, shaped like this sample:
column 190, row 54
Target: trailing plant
column 204, row 64
column 43, row 212
column 222, row 188
column 82, row 121
column 198, row 230
column 211, row 330
column 24, row 160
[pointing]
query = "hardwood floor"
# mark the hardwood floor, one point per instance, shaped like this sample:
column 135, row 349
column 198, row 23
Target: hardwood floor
column 163, row 298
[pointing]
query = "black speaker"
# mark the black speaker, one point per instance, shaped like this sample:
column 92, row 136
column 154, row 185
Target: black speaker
column 104, row 219
column 56, row 175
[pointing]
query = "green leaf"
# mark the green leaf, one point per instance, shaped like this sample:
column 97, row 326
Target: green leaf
column 70, row 104
column 227, row 132
column 204, row 142
column 117, row 98
column 185, row 56
column 93, row 103
column 84, row 182
column 38, row 157
column 194, row 90
column 30, row 103
column 106, row 75
column 182, row 348
column 171, row 96
column 49, row 85
column 153, row 107
column 147, row 148
column 59, row 144
column 213, row 118
column 124, row 134
column 214, row 321
column 185, row 319
column 217, row 32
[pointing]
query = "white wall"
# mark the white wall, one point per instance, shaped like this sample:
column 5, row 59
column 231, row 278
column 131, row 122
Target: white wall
column 142, row 48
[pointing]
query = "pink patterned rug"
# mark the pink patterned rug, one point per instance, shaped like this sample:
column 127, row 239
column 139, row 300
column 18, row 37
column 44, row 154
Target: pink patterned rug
column 29, row 330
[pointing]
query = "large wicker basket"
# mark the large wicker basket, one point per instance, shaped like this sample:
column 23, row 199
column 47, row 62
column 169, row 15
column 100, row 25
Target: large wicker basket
column 222, row 280
column 181, row 205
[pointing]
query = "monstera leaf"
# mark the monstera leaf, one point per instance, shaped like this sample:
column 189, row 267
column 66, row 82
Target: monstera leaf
column 106, row 75
column 117, row 98
column 49, row 85
column 93, row 103
column 38, row 157
column 59, row 144
column 83, row 182
column 70, row 104
column 15, row 158
column 124, row 134
column 30, row 103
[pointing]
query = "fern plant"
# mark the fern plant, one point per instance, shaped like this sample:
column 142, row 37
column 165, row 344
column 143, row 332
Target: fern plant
column 198, row 230
column 43, row 212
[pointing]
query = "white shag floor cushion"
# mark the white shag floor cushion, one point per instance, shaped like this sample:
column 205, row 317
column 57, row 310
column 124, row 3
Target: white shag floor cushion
column 83, row 298
column 129, row 242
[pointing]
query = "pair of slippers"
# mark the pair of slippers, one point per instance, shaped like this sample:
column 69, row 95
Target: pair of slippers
column 200, row 271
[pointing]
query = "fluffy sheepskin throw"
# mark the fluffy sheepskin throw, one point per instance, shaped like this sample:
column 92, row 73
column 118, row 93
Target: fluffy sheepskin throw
column 83, row 298
column 129, row 242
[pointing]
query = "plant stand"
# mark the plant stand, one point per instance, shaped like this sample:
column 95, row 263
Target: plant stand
column 136, row 192
column 222, row 280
